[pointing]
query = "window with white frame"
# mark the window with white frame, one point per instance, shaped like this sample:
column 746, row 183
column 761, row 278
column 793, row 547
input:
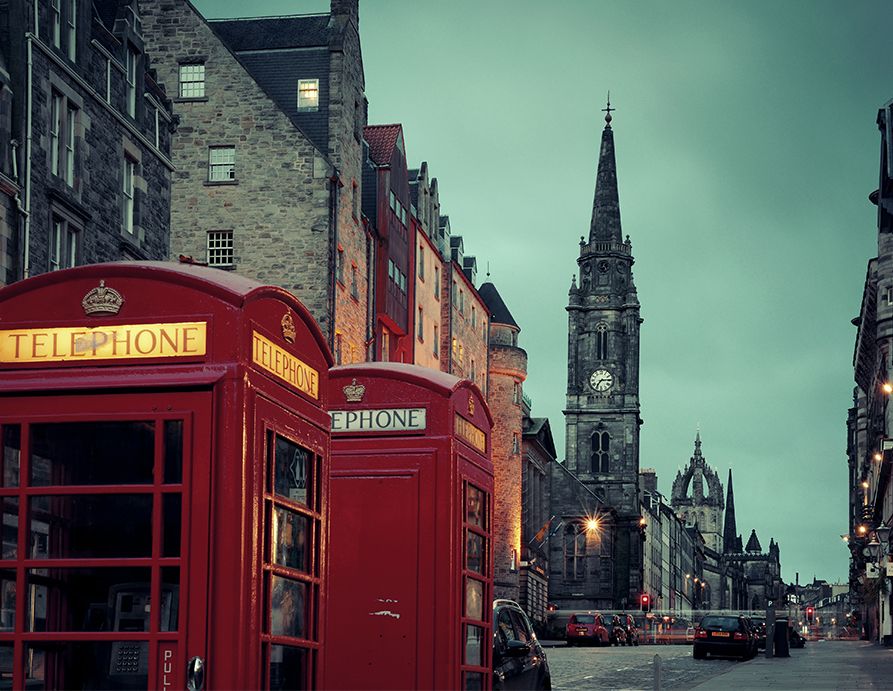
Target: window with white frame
column 130, row 76
column 221, row 163
column 308, row 94
column 220, row 248
column 436, row 341
column 56, row 108
column 127, row 189
column 339, row 265
column 192, row 80
column 437, row 283
column 64, row 236
column 70, row 120
column 56, row 22
column 421, row 262
column 421, row 325
column 108, row 80
column 72, row 29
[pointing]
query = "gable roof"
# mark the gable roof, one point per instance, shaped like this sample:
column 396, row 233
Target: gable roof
column 272, row 33
column 382, row 140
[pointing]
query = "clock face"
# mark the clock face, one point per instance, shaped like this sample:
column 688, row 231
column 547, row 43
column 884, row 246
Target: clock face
column 603, row 267
column 601, row 380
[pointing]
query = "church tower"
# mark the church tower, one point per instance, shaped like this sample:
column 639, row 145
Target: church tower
column 697, row 498
column 602, row 414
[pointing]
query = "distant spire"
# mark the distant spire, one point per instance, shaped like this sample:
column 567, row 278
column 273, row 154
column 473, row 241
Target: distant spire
column 753, row 543
column 730, row 531
column 605, row 226
column 698, row 453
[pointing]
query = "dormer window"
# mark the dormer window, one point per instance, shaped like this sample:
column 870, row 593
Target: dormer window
column 308, row 94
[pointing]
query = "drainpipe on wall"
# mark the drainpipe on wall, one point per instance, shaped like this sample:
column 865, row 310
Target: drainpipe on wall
column 26, row 249
column 334, row 185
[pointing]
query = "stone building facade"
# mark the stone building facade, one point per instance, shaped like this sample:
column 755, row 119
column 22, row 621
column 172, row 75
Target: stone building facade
column 269, row 152
column 602, row 412
column 507, row 371
column 85, row 169
column 697, row 498
column 465, row 319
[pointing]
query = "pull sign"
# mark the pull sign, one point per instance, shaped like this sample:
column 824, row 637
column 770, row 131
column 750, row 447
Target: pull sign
column 168, row 667
column 195, row 674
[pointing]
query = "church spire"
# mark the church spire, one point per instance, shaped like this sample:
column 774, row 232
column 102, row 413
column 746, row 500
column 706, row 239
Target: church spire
column 730, row 531
column 605, row 226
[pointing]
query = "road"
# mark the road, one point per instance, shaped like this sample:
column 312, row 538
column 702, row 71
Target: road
column 631, row 668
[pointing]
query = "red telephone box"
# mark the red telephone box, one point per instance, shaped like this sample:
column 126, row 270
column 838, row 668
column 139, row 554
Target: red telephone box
column 164, row 481
column 410, row 577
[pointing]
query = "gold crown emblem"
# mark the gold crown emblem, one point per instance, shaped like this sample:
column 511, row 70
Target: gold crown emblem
column 470, row 405
column 288, row 328
column 102, row 300
column 354, row 392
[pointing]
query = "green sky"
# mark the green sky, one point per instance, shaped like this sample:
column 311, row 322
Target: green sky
column 746, row 150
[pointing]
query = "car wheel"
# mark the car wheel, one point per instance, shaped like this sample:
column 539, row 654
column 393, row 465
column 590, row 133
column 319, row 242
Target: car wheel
column 697, row 653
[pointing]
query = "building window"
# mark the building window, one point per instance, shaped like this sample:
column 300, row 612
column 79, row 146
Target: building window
column 72, row 29
column 601, row 442
column 192, row 80
column 461, row 353
column 356, row 201
column 338, row 349
column 354, row 286
column 436, row 341
column 63, row 129
column 385, row 345
column 421, row 262
column 420, row 332
column 393, row 202
column 127, row 190
column 601, row 341
column 221, row 163
column 516, row 393
column 474, row 318
column 437, row 283
column 308, row 94
column 461, row 301
column 130, row 72
column 63, row 243
column 516, row 443
column 157, row 129
column 108, row 81
column 473, row 370
column 56, row 22
column 574, row 554
column 339, row 265
column 220, row 248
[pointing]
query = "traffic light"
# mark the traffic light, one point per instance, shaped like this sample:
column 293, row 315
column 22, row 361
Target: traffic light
column 810, row 614
column 646, row 603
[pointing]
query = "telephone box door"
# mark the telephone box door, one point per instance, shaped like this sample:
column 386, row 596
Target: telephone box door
column 104, row 569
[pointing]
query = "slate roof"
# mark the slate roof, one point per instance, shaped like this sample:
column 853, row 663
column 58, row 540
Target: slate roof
column 499, row 312
column 382, row 140
column 271, row 33
column 753, row 543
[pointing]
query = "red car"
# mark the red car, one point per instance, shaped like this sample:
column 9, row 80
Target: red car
column 587, row 627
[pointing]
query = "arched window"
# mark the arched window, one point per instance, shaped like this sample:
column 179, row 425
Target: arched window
column 600, row 447
column 601, row 341
column 574, row 553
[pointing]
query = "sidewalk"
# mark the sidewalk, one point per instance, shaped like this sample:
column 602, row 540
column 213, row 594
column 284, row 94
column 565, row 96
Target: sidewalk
column 820, row 665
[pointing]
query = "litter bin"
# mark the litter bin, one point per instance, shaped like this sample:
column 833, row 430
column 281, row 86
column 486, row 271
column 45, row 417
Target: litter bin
column 782, row 644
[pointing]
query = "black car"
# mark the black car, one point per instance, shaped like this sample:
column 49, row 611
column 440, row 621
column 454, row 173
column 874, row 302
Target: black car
column 724, row 636
column 519, row 661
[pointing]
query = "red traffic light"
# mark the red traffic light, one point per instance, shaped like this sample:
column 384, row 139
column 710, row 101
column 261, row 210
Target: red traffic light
column 646, row 603
column 810, row 612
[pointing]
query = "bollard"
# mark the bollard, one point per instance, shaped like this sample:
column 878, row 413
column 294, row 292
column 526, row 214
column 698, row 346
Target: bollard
column 657, row 673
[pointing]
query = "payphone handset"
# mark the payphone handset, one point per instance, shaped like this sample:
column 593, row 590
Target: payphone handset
column 129, row 609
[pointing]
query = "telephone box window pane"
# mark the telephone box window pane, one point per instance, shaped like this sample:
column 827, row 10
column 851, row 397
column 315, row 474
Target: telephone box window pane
column 92, row 453
column 6, row 665
column 170, row 592
column 97, row 599
column 85, row 526
column 474, row 646
column 87, row 665
column 291, row 538
column 287, row 604
column 8, row 602
column 474, row 681
column 173, row 451
column 474, row 552
column 172, row 513
column 292, row 470
column 10, row 528
column 475, row 502
column 288, row 668
column 474, row 599
column 12, row 449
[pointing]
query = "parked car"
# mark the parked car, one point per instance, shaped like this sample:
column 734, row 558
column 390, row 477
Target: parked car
column 617, row 630
column 759, row 627
column 795, row 639
column 587, row 627
column 519, row 661
column 632, row 629
column 724, row 636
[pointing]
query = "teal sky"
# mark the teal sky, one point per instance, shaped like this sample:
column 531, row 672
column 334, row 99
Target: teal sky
column 746, row 149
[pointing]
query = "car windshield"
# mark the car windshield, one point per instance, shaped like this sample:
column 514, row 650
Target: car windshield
column 720, row 623
column 584, row 619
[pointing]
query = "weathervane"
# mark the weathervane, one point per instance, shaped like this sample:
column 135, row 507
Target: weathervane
column 608, row 110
